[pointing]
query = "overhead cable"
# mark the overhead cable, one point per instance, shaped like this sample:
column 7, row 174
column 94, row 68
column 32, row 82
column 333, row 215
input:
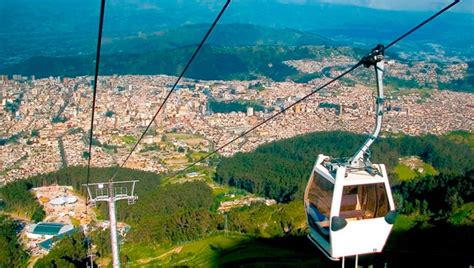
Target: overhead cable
column 94, row 93
column 175, row 84
column 314, row 91
column 94, row 97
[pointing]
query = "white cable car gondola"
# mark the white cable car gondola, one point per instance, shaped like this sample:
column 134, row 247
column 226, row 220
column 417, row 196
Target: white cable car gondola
column 349, row 204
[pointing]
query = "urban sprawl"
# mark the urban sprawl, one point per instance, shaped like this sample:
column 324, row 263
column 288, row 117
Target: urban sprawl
column 44, row 122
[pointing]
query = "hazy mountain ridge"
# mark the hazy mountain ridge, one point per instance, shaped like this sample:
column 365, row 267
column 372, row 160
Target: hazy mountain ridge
column 52, row 28
column 233, row 51
column 212, row 63
column 248, row 62
column 234, row 34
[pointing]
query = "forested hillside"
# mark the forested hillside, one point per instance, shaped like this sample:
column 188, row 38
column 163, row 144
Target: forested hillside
column 169, row 215
column 11, row 252
column 163, row 214
column 279, row 170
column 19, row 200
column 30, row 29
column 224, row 35
column 71, row 251
column 436, row 212
column 233, row 52
column 227, row 63
column 212, row 63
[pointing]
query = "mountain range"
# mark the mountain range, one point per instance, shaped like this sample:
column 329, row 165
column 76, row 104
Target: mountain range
column 66, row 28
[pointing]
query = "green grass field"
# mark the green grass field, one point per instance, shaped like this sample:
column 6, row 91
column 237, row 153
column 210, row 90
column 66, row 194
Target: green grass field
column 429, row 170
column 201, row 253
column 462, row 136
column 404, row 223
column 197, row 155
column 463, row 215
column 405, row 173
column 128, row 140
column 232, row 250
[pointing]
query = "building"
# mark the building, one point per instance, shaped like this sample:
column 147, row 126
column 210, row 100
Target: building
column 297, row 108
column 193, row 174
column 48, row 243
column 249, row 111
column 63, row 200
column 47, row 230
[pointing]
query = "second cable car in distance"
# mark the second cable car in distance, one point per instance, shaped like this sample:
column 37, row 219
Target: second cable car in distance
column 349, row 204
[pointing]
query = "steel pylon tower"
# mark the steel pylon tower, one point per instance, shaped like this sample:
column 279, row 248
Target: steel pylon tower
column 111, row 192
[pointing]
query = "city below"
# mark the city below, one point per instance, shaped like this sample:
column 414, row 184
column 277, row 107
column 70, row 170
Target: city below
column 45, row 121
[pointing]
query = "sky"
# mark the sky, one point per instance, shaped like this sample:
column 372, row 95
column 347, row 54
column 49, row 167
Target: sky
column 413, row 5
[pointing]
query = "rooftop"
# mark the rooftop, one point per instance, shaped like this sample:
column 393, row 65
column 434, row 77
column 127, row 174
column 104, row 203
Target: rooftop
column 48, row 243
column 49, row 228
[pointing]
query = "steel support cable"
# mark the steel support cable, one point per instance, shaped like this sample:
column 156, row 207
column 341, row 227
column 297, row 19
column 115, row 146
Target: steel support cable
column 94, row 96
column 422, row 24
column 273, row 116
column 94, row 93
column 174, row 85
column 316, row 90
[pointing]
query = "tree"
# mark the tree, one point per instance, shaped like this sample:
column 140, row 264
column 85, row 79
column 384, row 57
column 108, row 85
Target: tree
column 109, row 114
column 35, row 133
column 70, row 251
column 279, row 170
column 17, row 198
column 58, row 119
column 11, row 252
column 38, row 214
column 102, row 240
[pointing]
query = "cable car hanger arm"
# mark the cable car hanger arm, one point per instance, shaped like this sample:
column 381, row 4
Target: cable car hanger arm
column 374, row 58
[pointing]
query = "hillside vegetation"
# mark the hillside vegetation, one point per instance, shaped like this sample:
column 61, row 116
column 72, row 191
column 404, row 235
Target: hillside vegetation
column 177, row 224
column 11, row 252
column 279, row 170
column 234, row 51
column 212, row 63
column 232, row 62
column 224, row 35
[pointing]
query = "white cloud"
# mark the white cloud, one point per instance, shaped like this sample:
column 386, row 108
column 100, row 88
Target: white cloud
column 418, row 5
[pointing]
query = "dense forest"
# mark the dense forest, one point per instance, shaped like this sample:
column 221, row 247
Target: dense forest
column 170, row 214
column 11, row 252
column 279, row 170
column 173, row 213
column 436, row 212
column 70, row 252
column 442, row 198
column 212, row 63
column 19, row 200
